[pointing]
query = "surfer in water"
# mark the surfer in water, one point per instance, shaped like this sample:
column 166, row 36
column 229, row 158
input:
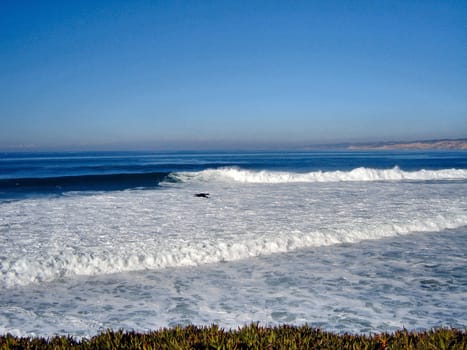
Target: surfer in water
column 202, row 195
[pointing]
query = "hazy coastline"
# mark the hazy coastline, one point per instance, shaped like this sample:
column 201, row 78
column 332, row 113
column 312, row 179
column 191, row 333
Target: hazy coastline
column 458, row 144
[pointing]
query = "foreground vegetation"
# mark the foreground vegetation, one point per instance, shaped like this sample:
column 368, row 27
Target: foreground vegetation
column 249, row 337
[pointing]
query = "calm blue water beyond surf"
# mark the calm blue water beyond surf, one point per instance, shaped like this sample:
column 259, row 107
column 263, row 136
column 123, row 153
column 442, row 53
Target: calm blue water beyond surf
column 346, row 241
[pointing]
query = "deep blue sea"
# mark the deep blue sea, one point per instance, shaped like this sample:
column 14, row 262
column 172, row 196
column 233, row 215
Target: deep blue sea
column 347, row 241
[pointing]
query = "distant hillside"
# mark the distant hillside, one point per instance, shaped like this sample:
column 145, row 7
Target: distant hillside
column 459, row 144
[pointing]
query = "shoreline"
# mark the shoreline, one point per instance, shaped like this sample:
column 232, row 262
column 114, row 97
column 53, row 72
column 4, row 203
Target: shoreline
column 425, row 145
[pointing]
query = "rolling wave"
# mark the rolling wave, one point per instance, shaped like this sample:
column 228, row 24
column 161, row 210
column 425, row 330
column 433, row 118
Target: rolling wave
column 358, row 174
column 83, row 182
column 192, row 252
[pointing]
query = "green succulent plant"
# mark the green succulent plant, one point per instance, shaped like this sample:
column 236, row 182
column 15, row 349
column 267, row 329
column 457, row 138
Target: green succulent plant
column 247, row 337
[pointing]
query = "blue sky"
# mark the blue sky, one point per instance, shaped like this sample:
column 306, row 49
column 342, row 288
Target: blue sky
column 229, row 74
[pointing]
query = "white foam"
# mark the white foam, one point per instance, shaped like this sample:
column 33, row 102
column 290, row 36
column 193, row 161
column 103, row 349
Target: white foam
column 27, row 270
column 376, row 286
column 358, row 174
column 46, row 239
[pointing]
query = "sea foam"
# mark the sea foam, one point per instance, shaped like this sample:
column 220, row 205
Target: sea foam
column 26, row 270
column 357, row 174
column 136, row 230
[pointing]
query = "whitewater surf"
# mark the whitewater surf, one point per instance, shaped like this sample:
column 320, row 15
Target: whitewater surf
column 361, row 248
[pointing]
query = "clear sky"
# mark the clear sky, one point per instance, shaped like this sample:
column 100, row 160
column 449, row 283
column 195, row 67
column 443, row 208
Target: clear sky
column 229, row 74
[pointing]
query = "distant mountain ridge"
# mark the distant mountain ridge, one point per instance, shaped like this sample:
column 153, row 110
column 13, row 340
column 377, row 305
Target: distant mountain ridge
column 445, row 144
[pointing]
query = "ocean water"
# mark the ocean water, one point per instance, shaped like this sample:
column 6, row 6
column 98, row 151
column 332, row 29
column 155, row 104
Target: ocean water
column 355, row 242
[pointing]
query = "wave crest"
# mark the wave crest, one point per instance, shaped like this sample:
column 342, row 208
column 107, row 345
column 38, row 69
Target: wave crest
column 358, row 174
column 24, row 271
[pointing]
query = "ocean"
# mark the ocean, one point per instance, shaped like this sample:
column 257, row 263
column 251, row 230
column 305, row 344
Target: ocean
column 358, row 242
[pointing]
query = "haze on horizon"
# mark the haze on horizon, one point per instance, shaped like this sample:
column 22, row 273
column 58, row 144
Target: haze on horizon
column 143, row 74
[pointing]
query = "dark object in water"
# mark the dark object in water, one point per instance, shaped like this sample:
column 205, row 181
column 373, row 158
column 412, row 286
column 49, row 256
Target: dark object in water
column 202, row 194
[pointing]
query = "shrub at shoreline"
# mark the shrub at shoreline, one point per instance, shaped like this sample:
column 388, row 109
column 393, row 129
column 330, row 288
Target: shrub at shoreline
column 248, row 337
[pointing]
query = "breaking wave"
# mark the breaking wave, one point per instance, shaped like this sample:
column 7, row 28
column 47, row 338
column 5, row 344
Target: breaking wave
column 358, row 174
column 192, row 252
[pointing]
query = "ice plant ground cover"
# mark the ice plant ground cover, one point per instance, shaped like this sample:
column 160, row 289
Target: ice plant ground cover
column 247, row 337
